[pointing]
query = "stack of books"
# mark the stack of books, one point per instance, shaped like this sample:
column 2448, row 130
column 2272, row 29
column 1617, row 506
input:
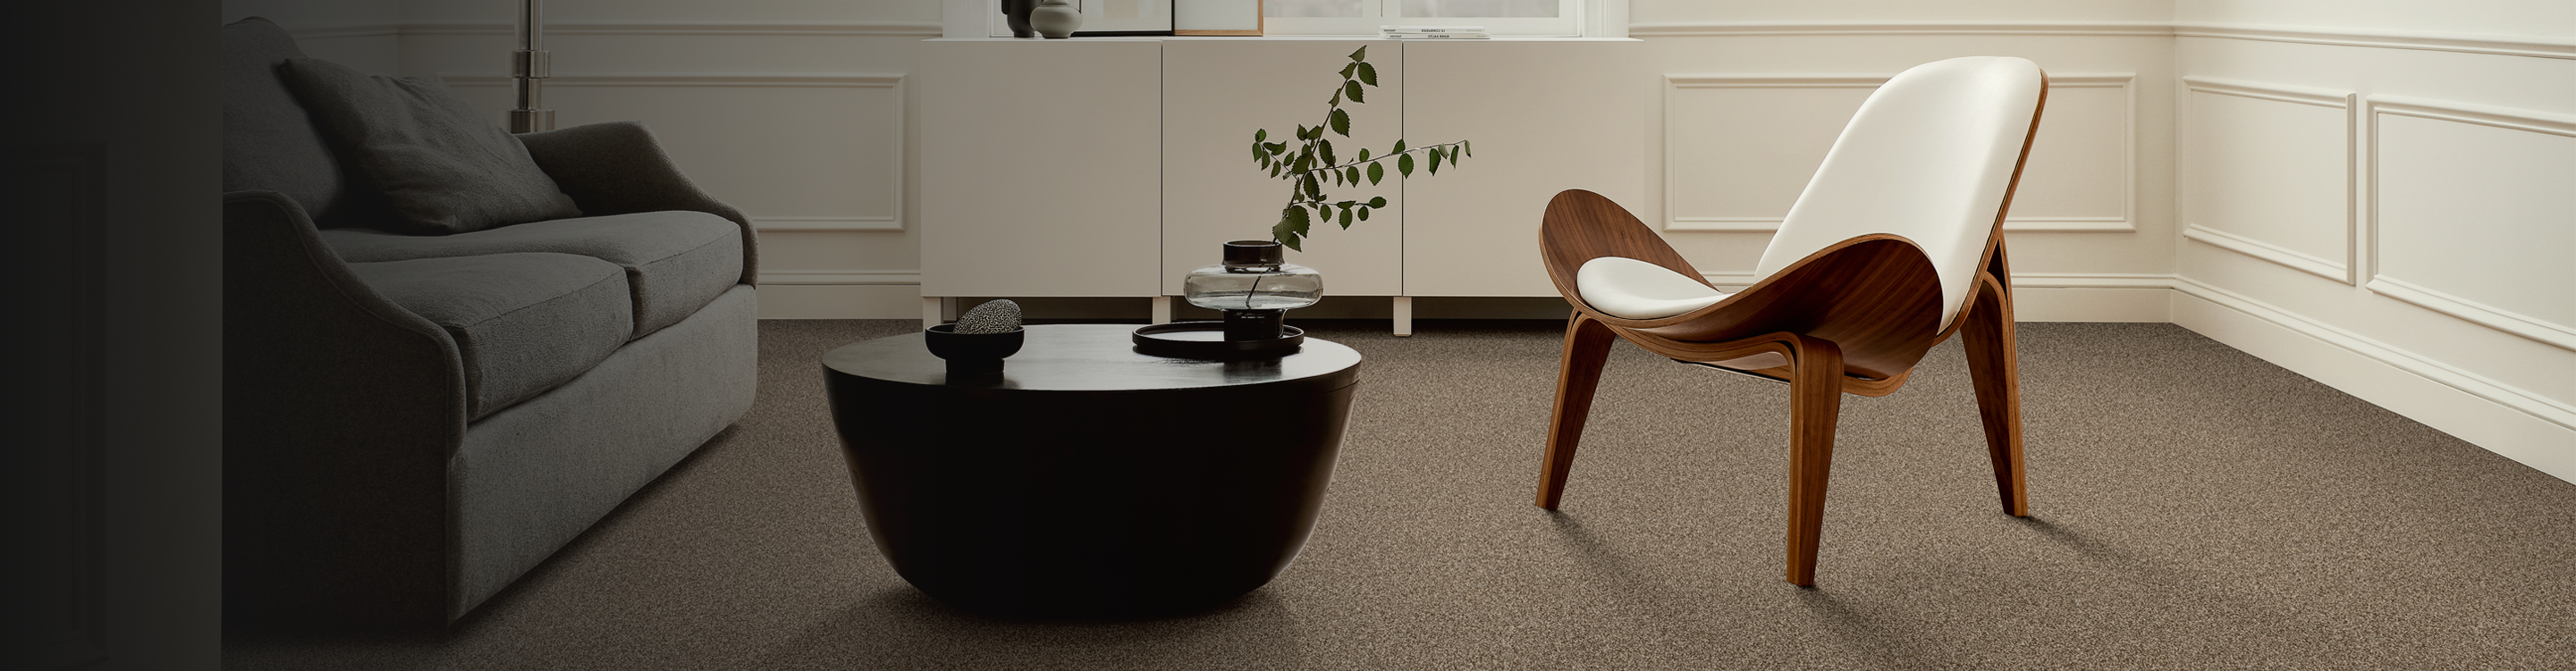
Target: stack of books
column 1432, row 32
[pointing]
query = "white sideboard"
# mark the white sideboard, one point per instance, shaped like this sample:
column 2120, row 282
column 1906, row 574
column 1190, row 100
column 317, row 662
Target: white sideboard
column 1111, row 167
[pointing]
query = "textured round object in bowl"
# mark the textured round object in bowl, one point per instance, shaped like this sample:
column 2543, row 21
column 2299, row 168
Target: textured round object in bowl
column 992, row 317
column 973, row 352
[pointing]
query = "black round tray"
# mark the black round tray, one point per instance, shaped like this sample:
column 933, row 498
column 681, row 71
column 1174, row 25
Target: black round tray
column 1206, row 340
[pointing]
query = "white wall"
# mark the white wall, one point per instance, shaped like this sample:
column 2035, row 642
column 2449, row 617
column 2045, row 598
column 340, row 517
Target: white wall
column 2378, row 196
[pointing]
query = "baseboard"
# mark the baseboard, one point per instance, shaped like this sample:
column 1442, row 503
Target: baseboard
column 2092, row 304
column 840, row 301
column 2401, row 382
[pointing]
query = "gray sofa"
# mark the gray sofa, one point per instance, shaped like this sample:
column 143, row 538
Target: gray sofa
column 412, row 422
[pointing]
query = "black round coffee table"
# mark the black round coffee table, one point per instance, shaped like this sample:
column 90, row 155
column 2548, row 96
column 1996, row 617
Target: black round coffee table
column 1088, row 479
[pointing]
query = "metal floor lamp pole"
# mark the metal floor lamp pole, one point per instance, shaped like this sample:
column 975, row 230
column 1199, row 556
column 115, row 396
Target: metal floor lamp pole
column 529, row 67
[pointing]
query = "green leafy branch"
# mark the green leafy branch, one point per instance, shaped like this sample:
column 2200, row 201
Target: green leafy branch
column 1312, row 161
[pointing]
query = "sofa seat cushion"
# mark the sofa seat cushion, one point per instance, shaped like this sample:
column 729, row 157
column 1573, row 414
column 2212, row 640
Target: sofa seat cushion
column 524, row 323
column 675, row 261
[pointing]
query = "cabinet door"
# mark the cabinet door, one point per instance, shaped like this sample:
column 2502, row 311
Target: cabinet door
column 1544, row 117
column 1039, row 164
column 1215, row 94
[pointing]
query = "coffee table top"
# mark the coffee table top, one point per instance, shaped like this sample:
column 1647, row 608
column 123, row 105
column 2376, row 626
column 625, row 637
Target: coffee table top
column 1091, row 357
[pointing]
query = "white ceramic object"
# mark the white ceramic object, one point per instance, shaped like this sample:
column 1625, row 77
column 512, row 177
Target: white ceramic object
column 1055, row 19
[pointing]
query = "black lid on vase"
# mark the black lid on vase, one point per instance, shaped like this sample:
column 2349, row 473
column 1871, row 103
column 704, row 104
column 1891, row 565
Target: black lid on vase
column 1255, row 253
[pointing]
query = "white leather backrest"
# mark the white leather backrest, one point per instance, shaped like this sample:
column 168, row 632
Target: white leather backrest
column 1928, row 157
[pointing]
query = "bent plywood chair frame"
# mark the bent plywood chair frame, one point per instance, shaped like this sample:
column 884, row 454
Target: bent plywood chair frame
column 1852, row 318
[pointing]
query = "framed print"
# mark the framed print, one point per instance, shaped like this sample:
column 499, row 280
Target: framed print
column 1216, row 17
column 1124, row 18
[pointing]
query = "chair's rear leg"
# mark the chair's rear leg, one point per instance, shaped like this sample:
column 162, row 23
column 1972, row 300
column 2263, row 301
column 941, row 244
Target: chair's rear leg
column 1997, row 375
column 1815, row 403
column 1578, row 373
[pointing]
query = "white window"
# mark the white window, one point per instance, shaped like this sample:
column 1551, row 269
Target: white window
column 1558, row 18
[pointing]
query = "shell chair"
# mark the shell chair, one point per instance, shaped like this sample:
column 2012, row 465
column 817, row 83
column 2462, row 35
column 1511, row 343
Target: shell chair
column 1895, row 244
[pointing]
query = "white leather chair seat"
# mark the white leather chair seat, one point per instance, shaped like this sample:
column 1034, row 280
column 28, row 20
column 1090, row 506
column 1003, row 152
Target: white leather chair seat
column 1632, row 289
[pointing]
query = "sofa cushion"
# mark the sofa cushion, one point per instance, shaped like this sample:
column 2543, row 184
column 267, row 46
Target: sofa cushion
column 524, row 322
column 442, row 165
column 271, row 143
column 675, row 261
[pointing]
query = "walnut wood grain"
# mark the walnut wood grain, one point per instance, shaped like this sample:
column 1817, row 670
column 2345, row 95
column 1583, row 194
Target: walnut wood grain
column 1578, row 373
column 1815, row 404
column 1876, row 296
column 1995, row 371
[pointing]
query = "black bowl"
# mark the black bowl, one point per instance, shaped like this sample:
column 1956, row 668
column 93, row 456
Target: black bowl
column 973, row 352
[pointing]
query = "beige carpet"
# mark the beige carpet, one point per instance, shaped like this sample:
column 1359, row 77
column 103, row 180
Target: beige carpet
column 2194, row 508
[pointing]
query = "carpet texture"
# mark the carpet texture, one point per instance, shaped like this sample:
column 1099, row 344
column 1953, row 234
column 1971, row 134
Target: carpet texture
column 2193, row 507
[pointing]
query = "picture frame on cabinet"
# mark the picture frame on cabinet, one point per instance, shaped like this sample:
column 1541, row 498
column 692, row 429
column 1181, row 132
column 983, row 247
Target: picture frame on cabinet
column 1240, row 18
column 1125, row 18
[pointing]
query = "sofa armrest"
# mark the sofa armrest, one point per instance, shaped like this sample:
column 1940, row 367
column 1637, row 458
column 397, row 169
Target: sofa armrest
column 616, row 167
column 341, row 412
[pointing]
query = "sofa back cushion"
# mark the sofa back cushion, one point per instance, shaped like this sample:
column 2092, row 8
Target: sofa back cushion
column 271, row 143
column 443, row 166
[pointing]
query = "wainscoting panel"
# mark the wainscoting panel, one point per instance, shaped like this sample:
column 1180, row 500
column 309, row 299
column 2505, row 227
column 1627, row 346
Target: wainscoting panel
column 1738, row 149
column 2272, row 167
column 792, row 110
column 796, row 151
column 2474, row 214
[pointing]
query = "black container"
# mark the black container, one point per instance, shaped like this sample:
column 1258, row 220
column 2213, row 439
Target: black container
column 973, row 353
column 1016, row 13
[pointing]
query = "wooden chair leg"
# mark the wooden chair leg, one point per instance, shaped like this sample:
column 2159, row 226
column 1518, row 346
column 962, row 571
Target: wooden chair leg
column 1578, row 373
column 1997, row 375
column 1815, row 404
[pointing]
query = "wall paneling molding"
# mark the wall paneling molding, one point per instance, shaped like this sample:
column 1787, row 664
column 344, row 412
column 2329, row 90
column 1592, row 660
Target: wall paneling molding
column 2336, row 270
column 1777, row 28
column 2339, row 270
column 842, row 277
column 2377, row 107
column 922, row 29
column 349, row 30
column 2536, row 47
column 695, row 79
column 2126, row 223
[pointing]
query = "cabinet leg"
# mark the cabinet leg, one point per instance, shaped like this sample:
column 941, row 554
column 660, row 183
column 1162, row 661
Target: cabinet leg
column 1162, row 309
column 930, row 311
column 1403, row 316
